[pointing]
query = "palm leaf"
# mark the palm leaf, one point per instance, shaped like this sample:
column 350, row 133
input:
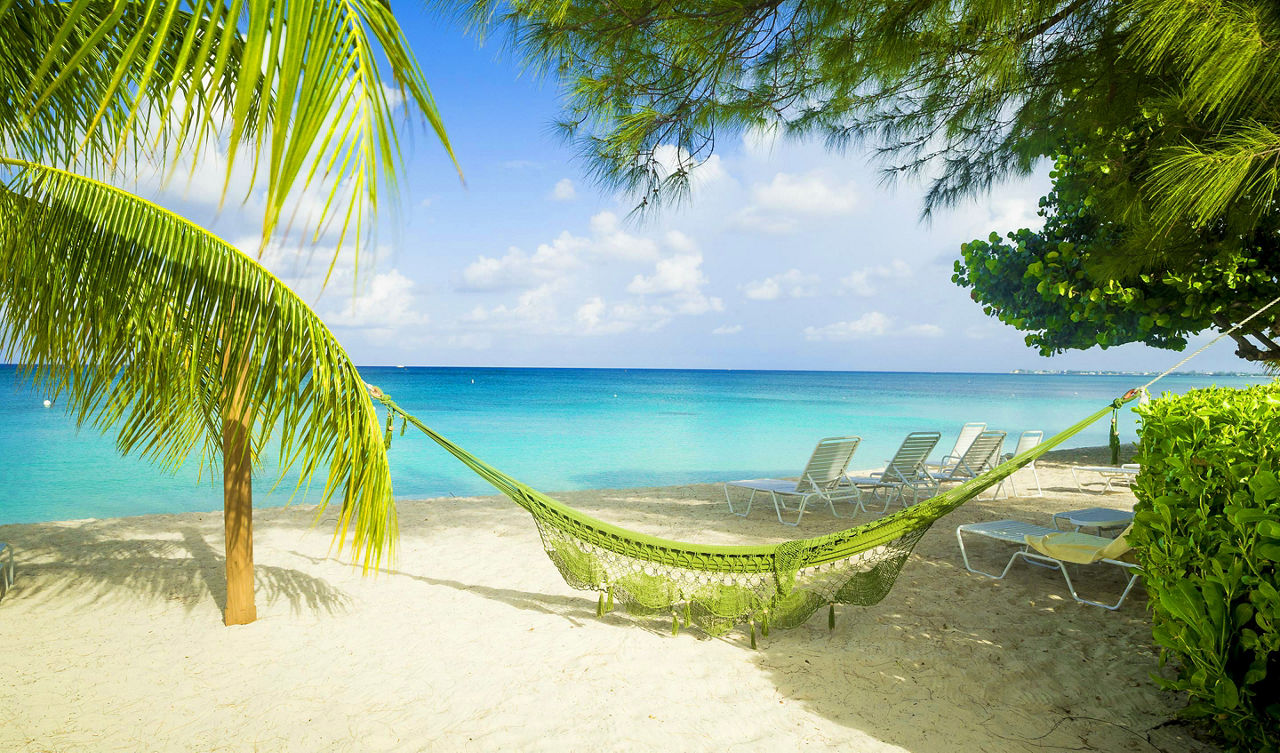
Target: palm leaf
column 132, row 316
column 92, row 80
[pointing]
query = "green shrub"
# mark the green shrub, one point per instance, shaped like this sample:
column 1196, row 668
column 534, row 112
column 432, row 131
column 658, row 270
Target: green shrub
column 1207, row 535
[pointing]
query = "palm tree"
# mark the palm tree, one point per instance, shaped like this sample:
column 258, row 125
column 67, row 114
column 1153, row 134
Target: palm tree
column 145, row 323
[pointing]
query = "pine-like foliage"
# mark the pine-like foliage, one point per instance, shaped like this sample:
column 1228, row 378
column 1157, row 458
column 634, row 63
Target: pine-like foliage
column 962, row 92
column 966, row 91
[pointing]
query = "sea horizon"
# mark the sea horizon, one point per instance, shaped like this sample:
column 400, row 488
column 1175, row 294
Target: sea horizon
column 571, row 428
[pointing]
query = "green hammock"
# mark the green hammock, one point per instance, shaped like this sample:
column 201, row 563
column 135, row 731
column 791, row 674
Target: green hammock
column 718, row 587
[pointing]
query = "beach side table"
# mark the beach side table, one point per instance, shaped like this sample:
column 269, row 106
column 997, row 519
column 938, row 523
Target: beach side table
column 1102, row 518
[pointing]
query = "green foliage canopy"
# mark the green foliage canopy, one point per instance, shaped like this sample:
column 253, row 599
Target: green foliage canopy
column 1055, row 283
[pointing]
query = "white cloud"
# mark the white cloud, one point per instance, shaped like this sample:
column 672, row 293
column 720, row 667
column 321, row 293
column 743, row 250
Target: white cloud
column 425, row 202
column 792, row 284
column 805, row 194
column 727, row 329
column 609, row 240
column 563, row 191
column 516, row 269
column 392, row 93
column 535, row 311
column 923, row 330
column 595, row 317
column 679, row 280
column 671, row 159
column 678, row 241
column 865, row 282
column 752, row 220
column 384, row 305
column 1015, row 213
column 870, row 324
column 675, row 274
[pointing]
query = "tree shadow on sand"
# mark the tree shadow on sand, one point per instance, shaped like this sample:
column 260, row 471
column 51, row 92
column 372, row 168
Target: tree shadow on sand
column 1015, row 663
column 93, row 561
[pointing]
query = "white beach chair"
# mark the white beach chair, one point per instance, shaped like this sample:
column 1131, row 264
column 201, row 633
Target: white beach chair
column 1026, row 440
column 6, row 569
column 968, row 433
column 1055, row 549
column 981, row 456
column 821, row 478
column 1111, row 474
column 905, row 471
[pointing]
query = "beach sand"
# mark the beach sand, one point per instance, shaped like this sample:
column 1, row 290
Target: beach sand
column 111, row 640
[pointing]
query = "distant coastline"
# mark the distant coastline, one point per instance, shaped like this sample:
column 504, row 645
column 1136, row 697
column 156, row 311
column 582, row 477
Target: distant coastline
column 1103, row 372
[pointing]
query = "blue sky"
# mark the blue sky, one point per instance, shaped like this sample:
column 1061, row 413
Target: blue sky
column 788, row 256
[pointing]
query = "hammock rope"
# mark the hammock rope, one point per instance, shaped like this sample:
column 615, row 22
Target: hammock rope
column 719, row 587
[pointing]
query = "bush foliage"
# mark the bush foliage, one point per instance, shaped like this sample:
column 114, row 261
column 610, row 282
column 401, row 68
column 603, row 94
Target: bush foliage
column 1207, row 535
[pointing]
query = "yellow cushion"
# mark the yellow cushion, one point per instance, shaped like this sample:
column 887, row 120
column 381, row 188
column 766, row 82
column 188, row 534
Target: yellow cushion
column 1080, row 548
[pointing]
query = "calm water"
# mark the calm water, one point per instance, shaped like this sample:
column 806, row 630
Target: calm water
column 576, row 429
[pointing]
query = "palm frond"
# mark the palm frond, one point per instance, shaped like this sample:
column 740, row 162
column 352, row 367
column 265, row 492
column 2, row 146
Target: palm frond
column 90, row 80
column 139, row 320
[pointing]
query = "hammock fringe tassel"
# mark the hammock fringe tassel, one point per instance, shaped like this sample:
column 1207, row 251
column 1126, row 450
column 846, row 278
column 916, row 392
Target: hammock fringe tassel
column 721, row 587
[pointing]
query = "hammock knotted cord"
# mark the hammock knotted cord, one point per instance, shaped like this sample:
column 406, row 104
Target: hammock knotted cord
column 719, row 587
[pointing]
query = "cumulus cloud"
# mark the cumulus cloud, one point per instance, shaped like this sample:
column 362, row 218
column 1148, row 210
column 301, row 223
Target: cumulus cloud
column 595, row 317
column 753, row 220
column 384, row 306
column 805, row 194
column 790, row 284
column 727, row 329
column 865, row 282
column 586, row 269
column 671, row 159
column 679, row 280
column 780, row 205
column 516, row 269
column 563, row 191
column 534, row 311
column 870, row 324
column 609, row 240
column 923, row 330
column 675, row 274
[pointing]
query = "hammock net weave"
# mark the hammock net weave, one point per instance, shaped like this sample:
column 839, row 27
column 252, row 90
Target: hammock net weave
column 717, row 588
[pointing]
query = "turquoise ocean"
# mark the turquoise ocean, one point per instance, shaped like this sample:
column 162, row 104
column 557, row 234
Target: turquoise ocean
column 560, row 429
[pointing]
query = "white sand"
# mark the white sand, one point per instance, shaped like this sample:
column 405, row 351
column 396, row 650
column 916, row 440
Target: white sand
column 112, row 640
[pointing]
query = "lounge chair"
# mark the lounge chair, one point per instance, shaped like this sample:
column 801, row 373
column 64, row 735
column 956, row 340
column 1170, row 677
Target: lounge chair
column 905, row 471
column 821, row 478
column 1110, row 474
column 1054, row 548
column 968, row 433
column 1026, row 440
column 981, row 456
column 6, row 569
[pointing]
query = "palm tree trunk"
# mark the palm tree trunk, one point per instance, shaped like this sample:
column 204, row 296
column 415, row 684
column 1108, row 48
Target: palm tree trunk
column 237, row 503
